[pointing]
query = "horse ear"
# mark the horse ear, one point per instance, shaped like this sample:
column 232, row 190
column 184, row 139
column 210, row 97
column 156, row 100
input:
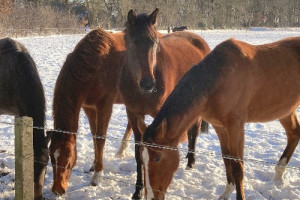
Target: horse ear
column 153, row 16
column 131, row 18
column 162, row 129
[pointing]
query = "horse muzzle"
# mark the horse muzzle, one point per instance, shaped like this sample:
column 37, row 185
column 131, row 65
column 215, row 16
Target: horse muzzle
column 59, row 189
column 147, row 85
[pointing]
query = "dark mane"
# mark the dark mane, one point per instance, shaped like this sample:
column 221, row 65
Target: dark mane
column 198, row 82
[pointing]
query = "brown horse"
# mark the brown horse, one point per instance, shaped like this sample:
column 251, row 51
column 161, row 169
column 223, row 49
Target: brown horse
column 154, row 66
column 88, row 80
column 22, row 94
column 235, row 84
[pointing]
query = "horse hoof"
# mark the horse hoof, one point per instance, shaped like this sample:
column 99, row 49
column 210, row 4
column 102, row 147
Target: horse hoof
column 137, row 195
column 96, row 179
column 120, row 154
column 189, row 166
column 279, row 183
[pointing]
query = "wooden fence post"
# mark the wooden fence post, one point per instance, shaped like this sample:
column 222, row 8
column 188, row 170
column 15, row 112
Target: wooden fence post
column 24, row 188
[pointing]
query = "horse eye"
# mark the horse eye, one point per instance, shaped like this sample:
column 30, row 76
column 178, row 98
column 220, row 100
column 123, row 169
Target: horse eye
column 157, row 159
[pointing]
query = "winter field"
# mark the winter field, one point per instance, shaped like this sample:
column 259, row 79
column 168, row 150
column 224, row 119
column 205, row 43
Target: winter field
column 264, row 142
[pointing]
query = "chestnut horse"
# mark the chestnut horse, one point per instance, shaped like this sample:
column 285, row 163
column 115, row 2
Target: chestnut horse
column 235, row 84
column 88, row 80
column 22, row 94
column 153, row 68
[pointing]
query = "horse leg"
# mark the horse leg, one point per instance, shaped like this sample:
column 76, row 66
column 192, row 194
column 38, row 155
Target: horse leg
column 236, row 137
column 193, row 133
column 91, row 115
column 103, row 114
column 292, row 128
column 230, row 186
column 125, row 141
column 138, row 126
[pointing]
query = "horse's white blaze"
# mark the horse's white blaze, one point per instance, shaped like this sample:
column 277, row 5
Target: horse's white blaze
column 97, row 177
column 56, row 155
column 227, row 192
column 279, row 170
column 145, row 156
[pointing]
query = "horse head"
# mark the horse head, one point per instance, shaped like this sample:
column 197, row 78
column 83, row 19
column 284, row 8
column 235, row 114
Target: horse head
column 160, row 163
column 142, row 43
column 63, row 156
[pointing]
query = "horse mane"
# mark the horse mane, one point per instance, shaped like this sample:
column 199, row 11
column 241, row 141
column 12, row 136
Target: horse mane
column 79, row 68
column 28, row 87
column 195, row 85
column 88, row 55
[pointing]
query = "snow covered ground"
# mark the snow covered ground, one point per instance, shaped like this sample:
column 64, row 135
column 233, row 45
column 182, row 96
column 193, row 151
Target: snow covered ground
column 264, row 141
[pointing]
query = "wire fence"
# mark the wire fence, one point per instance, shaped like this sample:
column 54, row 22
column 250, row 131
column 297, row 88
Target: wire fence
column 180, row 150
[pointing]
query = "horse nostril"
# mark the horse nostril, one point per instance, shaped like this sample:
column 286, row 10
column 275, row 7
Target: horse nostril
column 147, row 85
column 59, row 191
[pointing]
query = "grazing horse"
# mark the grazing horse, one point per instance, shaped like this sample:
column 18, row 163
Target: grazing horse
column 89, row 80
column 153, row 68
column 235, row 84
column 22, row 94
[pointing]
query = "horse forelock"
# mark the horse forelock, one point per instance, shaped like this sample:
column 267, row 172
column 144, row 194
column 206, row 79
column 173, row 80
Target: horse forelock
column 142, row 28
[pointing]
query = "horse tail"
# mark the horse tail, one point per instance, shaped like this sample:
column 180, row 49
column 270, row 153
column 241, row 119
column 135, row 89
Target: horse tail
column 204, row 126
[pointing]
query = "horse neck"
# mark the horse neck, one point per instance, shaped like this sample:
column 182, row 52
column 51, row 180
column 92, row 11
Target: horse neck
column 31, row 100
column 66, row 108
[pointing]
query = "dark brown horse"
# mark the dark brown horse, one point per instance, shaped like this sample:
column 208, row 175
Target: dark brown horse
column 22, row 94
column 235, row 84
column 153, row 68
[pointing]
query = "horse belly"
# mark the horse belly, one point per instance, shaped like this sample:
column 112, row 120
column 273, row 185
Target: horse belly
column 272, row 110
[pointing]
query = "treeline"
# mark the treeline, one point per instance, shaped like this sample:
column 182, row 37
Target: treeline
column 67, row 15
column 200, row 14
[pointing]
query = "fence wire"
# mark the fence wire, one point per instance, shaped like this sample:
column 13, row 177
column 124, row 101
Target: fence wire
column 153, row 145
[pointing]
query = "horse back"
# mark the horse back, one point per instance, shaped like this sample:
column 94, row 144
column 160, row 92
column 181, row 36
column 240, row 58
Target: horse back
column 262, row 81
column 180, row 51
column 190, row 37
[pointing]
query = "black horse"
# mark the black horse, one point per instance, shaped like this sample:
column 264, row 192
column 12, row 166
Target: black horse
column 22, row 94
column 181, row 28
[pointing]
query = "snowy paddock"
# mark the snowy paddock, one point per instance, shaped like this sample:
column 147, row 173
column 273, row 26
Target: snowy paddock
column 264, row 142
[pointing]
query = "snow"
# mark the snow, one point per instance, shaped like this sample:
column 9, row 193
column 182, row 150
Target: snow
column 264, row 141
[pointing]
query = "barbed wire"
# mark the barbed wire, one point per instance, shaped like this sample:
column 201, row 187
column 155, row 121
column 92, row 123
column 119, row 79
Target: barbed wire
column 152, row 145
column 163, row 147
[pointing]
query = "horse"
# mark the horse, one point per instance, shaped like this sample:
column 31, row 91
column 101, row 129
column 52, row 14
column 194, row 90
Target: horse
column 22, row 94
column 235, row 84
column 181, row 28
column 153, row 67
column 88, row 79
